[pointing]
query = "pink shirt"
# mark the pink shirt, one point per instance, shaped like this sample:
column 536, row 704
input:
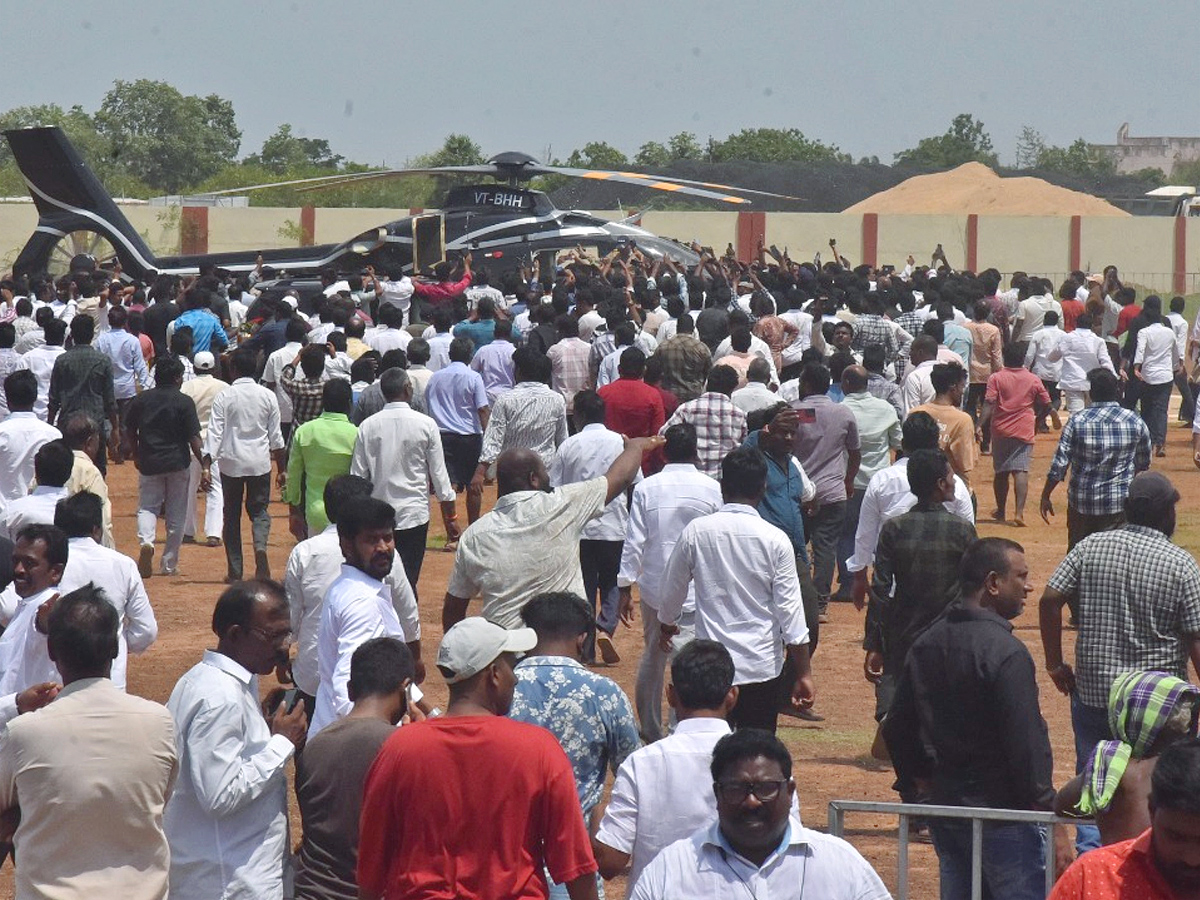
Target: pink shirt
column 1015, row 391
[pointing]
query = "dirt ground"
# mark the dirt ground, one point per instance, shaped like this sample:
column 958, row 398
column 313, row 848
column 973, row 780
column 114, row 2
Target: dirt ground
column 832, row 758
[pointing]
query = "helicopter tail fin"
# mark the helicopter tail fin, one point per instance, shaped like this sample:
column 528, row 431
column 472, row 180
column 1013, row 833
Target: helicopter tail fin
column 69, row 198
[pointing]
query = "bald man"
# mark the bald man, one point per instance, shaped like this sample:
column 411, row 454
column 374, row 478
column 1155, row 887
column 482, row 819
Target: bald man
column 529, row 543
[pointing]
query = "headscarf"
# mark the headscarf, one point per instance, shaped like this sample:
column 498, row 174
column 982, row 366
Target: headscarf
column 1139, row 705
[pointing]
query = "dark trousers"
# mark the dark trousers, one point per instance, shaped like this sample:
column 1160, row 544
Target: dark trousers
column 758, row 704
column 1155, row 398
column 1014, row 860
column 845, row 545
column 1187, row 404
column 823, row 529
column 975, row 395
column 257, row 491
column 599, row 562
column 1090, row 724
column 1080, row 525
column 410, row 546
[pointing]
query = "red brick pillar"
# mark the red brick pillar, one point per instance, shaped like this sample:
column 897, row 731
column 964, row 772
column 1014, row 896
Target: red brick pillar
column 308, row 226
column 870, row 239
column 1075, row 256
column 973, row 243
column 193, row 230
column 751, row 231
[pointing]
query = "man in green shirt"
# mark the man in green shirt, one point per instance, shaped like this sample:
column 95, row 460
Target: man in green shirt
column 321, row 450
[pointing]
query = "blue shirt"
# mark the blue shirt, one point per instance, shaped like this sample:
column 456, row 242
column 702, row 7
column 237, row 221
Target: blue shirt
column 454, row 397
column 206, row 330
column 958, row 339
column 588, row 713
column 129, row 366
column 479, row 333
column 780, row 505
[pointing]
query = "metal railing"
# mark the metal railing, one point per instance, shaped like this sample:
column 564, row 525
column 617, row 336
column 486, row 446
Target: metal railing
column 976, row 815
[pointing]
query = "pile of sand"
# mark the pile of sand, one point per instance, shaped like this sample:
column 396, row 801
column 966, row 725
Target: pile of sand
column 974, row 188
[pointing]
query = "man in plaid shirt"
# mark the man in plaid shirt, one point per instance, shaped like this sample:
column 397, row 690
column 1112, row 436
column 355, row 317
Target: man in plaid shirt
column 305, row 393
column 1138, row 601
column 720, row 426
column 872, row 328
column 1104, row 445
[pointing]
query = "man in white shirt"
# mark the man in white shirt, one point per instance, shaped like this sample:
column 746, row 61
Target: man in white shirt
column 399, row 450
column 91, row 773
column 28, row 677
column 439, row 340
column 888, row 496
column 917, row 387
column 203, row 390
column 358, row 605
column 1187, row 405
column 527, row 514
column 585, row 455
column 656, row 797
column 40, row 361
column 227, row 820
column 243, row 437
column 314, row 565
column 1155, row 363
column 747, row 594
column 754, row 848
column 1079, row 351
column 394, row 290
column 79, row 516
column 391, row 334
column 22, row 433
column 1031, row 311
column 757, row 393
column 662, row 505
column 272, row 377
column 1037, row 360
column 52, row 466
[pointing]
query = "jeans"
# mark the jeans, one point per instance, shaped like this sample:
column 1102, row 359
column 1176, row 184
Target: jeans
column 166, row 493
column 1155, row 398
column 214, row 503
column 1090, row 724
column 845, row 545
column 599, row 562
column 257, row 491
column 823, row 529
column 1014, row 860
column 410, row 546
column 648, row 691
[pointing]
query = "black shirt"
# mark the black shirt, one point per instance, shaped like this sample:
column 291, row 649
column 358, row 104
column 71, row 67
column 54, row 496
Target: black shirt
column 164, row 420
column 158, row 316
column 966, row 715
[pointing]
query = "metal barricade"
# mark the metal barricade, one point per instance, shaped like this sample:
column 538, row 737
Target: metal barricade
column 976, row 815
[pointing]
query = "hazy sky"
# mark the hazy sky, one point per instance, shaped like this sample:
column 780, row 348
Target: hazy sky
column 386, row 81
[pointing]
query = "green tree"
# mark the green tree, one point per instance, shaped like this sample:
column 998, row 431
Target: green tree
column 652, row 155
column 283, row 151
column 598, row 155
column 456, row 150
column 1031, row 144
column 684, row 146
column 170, row 140
column 773, row 145
column 965, row 141
column 1081, row 158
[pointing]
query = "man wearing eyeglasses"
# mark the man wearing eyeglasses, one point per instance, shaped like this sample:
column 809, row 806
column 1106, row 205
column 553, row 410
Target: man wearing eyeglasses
column 755, row 849
column 227, row 820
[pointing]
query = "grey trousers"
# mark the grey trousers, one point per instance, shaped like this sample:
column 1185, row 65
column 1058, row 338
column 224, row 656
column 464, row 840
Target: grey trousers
column 651, row 674
column 257, row 491
column 166, row 493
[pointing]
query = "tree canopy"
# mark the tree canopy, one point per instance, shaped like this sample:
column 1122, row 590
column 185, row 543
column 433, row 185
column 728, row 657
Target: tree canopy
column 965, row 141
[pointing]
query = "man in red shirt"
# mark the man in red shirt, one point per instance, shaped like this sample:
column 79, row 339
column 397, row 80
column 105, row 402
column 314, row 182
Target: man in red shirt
column 1014, row 398
column 442, row 290
column 632, row 407
column 1164, row 862
column 473, row 804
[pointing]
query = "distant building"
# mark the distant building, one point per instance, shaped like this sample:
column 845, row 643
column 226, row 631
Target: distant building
column 1133, row 153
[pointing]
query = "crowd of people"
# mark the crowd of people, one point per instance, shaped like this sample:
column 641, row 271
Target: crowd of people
column 722, row 449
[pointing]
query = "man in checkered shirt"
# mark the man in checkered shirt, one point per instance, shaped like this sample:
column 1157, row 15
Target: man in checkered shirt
column 872, row 328
column 1104, row 445
column 1138, row 601
column 720, row 426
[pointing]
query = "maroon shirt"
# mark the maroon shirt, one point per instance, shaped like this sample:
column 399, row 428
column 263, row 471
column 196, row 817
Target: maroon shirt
column 632, row 407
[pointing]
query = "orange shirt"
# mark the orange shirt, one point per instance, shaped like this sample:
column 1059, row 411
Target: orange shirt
column 1123, row 871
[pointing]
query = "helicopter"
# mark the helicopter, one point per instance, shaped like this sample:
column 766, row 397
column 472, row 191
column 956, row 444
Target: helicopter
column 503, row 224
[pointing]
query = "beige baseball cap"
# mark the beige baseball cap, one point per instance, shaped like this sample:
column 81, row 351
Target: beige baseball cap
column 473, row 644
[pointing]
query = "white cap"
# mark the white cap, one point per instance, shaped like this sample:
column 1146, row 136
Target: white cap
column 473, row 644
column 291, row 301
column 204, row 361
